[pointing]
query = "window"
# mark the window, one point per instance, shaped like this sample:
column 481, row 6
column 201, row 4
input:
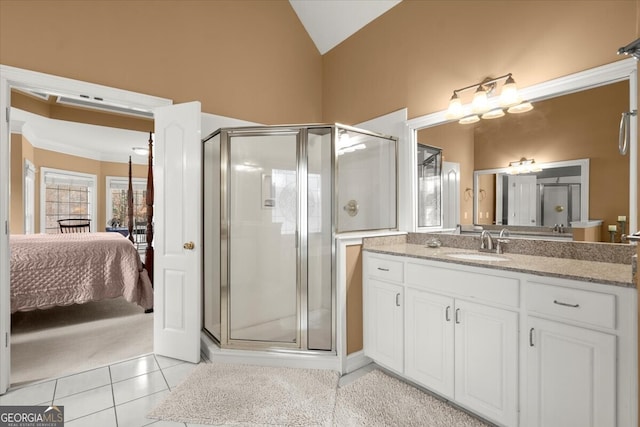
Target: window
column 117, row 189
column 66, row 194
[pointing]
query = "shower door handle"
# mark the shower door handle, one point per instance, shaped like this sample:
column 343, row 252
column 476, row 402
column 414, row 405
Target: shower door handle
column 189, row 246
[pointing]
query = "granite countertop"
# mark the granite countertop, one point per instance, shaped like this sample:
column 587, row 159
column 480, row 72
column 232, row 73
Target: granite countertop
column 608, row 273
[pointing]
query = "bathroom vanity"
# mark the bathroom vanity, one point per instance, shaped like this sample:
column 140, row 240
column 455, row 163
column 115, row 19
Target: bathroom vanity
column 519, row 339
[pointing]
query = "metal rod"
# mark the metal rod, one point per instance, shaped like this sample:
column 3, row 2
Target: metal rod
column 482, row 83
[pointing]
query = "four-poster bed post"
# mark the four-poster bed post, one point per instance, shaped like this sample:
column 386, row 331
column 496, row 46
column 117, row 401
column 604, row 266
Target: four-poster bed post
column 130, row 204
column 148, row 256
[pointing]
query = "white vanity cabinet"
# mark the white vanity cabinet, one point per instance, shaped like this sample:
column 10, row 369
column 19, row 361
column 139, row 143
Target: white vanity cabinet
column 465, row 350
column 383, row 312
column 517, row 349
column 429, row 338
column 486, row 361
column 571, row 368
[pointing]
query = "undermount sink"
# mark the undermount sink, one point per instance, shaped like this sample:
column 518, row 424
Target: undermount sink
column 478, row 257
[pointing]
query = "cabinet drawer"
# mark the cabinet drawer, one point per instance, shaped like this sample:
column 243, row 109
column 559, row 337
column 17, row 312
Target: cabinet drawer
column 470, row 285
column 593, row 308
column 386, row 269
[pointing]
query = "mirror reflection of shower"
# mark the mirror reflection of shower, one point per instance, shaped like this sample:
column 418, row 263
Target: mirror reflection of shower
column 429, row 186
column 273, row 203
column 546, row 198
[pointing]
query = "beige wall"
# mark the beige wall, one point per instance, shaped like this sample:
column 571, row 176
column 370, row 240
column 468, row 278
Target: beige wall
column 21, row 149
column 416, row 54
column 249, row 59
column 353, row 261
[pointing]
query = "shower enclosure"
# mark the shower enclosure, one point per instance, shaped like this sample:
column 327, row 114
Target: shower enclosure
column 274, row 199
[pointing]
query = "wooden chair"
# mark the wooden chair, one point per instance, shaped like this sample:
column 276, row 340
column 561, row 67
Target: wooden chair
column 74, row 225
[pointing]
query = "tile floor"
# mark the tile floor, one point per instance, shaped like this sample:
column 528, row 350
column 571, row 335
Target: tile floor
column 121, row 394
column 117, row 395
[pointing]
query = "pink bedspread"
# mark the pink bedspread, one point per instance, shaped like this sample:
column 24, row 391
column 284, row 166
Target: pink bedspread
column 64, row 269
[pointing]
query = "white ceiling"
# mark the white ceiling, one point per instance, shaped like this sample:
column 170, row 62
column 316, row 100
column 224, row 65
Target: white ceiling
column 328, row 22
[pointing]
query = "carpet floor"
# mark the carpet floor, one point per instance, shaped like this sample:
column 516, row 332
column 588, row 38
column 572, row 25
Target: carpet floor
column 377, row 399
column 232, row 395
column 226, row 394
column 63, row 340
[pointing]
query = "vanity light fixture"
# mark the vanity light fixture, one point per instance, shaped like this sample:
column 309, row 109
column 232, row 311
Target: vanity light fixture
column 484, row 104
column 523, row 166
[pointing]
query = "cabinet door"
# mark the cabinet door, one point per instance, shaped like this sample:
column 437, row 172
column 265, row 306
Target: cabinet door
column 384, row 323
column 571, row 375
column 486, row 361
column 429, row 340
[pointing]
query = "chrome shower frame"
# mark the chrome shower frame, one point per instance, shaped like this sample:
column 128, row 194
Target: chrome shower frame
column 301, row 344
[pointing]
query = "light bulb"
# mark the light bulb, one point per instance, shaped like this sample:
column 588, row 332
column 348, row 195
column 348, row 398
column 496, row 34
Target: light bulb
column 480, row 102
column 493, row 114
column 469, row 119
column 509, row 95
column 455, row 107
column 520, row 108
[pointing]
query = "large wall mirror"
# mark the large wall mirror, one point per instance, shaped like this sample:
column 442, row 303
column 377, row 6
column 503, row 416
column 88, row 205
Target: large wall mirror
column 572, row 136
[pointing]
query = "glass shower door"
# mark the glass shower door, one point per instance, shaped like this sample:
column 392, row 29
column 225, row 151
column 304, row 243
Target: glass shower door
column 263, row 218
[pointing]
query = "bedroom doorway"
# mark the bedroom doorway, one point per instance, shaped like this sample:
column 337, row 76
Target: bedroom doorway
column 13, row 77
column 69, row 178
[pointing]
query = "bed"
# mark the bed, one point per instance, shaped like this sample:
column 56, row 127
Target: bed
column 74, row 268
column 63, row 269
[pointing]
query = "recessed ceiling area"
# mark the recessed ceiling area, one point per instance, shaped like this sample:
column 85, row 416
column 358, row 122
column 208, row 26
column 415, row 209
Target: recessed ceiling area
column 107, row 144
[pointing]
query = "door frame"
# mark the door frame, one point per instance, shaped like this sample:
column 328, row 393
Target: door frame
column 10, row 77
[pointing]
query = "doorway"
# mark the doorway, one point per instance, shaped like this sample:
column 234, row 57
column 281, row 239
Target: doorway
column 41, row 83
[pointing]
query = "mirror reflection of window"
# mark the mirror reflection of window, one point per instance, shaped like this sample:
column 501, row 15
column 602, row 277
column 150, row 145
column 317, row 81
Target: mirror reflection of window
column 429, row 186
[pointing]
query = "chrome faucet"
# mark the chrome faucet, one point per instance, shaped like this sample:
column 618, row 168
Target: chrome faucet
column 486, row 241
column 504, row 233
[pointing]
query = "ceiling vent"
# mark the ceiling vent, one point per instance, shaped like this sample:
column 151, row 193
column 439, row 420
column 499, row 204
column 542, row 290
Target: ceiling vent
column 99, row 104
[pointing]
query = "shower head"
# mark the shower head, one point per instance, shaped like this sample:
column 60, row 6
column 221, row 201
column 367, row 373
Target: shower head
column 632, row 49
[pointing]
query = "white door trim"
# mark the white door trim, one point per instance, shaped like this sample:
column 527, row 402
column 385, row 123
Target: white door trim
column 10, row 77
